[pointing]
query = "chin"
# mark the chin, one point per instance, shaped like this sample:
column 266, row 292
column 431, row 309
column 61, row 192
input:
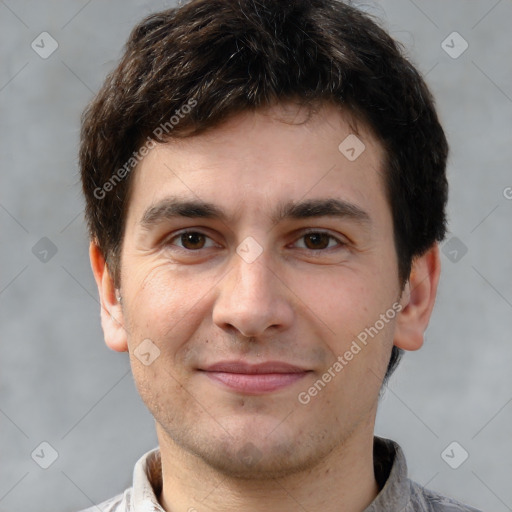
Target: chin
column 252, row 462
column 255, row 450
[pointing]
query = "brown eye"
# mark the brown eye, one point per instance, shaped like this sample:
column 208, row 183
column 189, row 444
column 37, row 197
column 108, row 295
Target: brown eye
column 317, row 240
column 187, row 242
column 192, row 240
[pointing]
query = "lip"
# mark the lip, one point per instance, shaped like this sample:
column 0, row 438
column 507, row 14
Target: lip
column 254, row 378
column 252, row 369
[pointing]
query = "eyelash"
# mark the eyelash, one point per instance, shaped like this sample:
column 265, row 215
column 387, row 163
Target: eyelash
column 340, row 243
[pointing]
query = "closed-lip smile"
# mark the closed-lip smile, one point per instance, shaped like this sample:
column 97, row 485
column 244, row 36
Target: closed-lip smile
column 253, row 379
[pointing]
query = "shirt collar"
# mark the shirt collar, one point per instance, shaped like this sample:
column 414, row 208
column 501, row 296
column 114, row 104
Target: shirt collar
column 147, row 483
column 391, row 475
column 389, row 465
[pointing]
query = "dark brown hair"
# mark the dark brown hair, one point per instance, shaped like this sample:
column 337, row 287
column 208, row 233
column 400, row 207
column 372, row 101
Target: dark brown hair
column 208, row 60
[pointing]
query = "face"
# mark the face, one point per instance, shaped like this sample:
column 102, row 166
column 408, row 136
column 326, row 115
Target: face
column 254, row 256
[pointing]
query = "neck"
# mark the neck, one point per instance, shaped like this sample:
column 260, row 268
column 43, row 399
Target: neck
column 343, row 481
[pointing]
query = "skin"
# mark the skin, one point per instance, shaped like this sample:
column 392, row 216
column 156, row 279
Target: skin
column 303, row 301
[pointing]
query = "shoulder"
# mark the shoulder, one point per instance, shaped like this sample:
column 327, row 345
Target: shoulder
column 119, row 503
column 429, row 501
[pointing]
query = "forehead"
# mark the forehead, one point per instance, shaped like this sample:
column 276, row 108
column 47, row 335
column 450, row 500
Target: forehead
column 257, row 160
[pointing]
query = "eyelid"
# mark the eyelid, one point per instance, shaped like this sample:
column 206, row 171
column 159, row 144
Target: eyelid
column 168, row 240
column 298, row 235
column 339, row 239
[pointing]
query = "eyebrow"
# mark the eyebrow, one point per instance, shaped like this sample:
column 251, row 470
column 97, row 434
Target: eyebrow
column 174, row 207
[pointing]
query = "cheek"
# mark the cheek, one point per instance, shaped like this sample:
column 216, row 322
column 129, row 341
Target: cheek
column 162, row 310
column 347, row 307
column 343, row 300
column 162, row 389
column 162, row 305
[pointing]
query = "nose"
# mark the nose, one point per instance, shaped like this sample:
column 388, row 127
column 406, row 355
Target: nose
column 252, row 298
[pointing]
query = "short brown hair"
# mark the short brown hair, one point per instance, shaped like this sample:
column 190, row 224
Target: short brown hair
column 229, row 56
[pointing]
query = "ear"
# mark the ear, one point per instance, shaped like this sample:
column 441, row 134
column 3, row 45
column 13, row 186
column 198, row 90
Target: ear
column 417, row 300
column 111, row 311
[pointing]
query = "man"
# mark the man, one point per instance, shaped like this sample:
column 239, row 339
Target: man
column 265, row 187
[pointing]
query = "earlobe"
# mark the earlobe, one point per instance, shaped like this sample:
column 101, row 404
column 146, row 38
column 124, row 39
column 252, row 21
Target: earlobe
column 418, row 300
column 111, row 310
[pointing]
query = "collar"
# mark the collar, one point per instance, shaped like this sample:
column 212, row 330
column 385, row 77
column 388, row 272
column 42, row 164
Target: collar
column 389, row 466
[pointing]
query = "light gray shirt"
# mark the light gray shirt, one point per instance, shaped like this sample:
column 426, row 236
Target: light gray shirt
column 397, row 492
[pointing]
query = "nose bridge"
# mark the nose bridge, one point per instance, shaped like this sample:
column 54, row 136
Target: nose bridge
column 254, row 279
column 251, row 297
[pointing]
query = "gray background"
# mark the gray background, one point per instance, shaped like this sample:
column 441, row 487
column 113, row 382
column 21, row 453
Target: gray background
column 61, row 384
